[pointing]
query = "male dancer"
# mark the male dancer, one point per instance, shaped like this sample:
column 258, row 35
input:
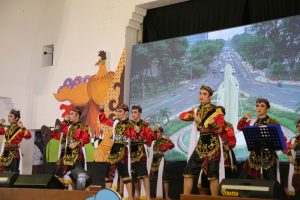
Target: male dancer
column 252, row 166
column 14, row 133
column 209, row 121
column 229, row 142
column 118, row 159
column 75, row 136
column 142, row 135
column 160, row 146
column 294, row 158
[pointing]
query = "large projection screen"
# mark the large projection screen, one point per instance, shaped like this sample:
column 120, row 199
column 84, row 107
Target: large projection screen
column 240, row 64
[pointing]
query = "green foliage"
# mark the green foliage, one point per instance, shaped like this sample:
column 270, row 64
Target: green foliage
column 277, row 41
column 203, row 52
column 261, row 63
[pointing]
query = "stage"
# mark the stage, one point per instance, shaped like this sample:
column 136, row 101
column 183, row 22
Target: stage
column 42, row 194
column 50, row 194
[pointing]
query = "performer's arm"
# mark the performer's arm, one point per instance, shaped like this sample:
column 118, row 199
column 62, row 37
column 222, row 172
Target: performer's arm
column 218, row 124
column 231, row 140
column 26, row 134
column 167, row 145
column 82, row 136
column 148, row 135
column 2, row 131
column 242, row 123
column 130, row 133
column 187, row 116
column 105, row 120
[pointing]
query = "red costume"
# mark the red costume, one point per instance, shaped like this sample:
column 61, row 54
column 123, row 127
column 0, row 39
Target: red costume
column 69, row 158
column 228, row 138
column 252, row 165
column 142, row 135
column 13, row 136
column 207, row 153
column 118, row 157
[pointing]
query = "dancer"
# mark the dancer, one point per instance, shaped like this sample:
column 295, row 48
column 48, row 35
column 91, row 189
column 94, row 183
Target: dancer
column 14, row 133
column 74, row 136
column 158, row 173
column 123, row 130
column 252, row 166
column 207, row 154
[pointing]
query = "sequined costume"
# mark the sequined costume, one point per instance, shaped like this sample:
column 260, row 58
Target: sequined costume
column 228, row 138
column 69, row 158
column 143, row 135
column 118, row 157
column 206, row 156
column 160, row 146
column 10, row 157
column 252, row 165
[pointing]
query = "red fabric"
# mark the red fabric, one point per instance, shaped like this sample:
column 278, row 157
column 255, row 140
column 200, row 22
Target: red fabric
column 148, row 135
column 218, row 125
column 187, row 116
column 2, row 131
column 242, row 123
column 18, row 138
column 82, row 136
column 64, row 128
column 166, row 146
column 105, row 120
column 130, row 133
column 228, row 134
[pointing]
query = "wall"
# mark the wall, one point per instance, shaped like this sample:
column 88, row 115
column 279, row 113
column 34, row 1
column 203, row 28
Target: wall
column 77, row 28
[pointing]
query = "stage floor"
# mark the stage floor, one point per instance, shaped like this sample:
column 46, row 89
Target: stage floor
column 50, row 194
column 42, row 194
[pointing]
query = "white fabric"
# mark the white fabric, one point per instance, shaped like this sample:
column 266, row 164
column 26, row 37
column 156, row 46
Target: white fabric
column 2, row 146
column 231, row 159
column 159, row 186
column 84, row 157
column 193, row 140
column 143, row 189
column 21, row 162
column 221, row 165
column 129, row 170
column 291, row 170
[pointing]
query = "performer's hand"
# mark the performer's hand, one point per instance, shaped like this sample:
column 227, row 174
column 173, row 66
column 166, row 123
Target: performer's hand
column 248, row 115
column 57, row 127
column 292, row 160
column 211, row 121
column 73, row 145
column 293, row 145
column 226, row 147
column 137, row 129
column 67, row 118
column 20, row 124
column 2, row 121
column 101, row 107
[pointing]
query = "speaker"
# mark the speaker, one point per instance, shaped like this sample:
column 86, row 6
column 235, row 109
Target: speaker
column 43, row 181
column 251, row 189
column 7, row 179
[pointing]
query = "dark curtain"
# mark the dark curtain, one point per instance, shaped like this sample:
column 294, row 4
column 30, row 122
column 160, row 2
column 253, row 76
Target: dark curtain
column 198, row 16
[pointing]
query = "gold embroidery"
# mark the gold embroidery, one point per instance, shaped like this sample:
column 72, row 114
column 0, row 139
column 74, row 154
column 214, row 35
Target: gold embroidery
column 116, row 157
column 6, row 160
column 208, row 148
column 155, row 163
column 136, row 152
